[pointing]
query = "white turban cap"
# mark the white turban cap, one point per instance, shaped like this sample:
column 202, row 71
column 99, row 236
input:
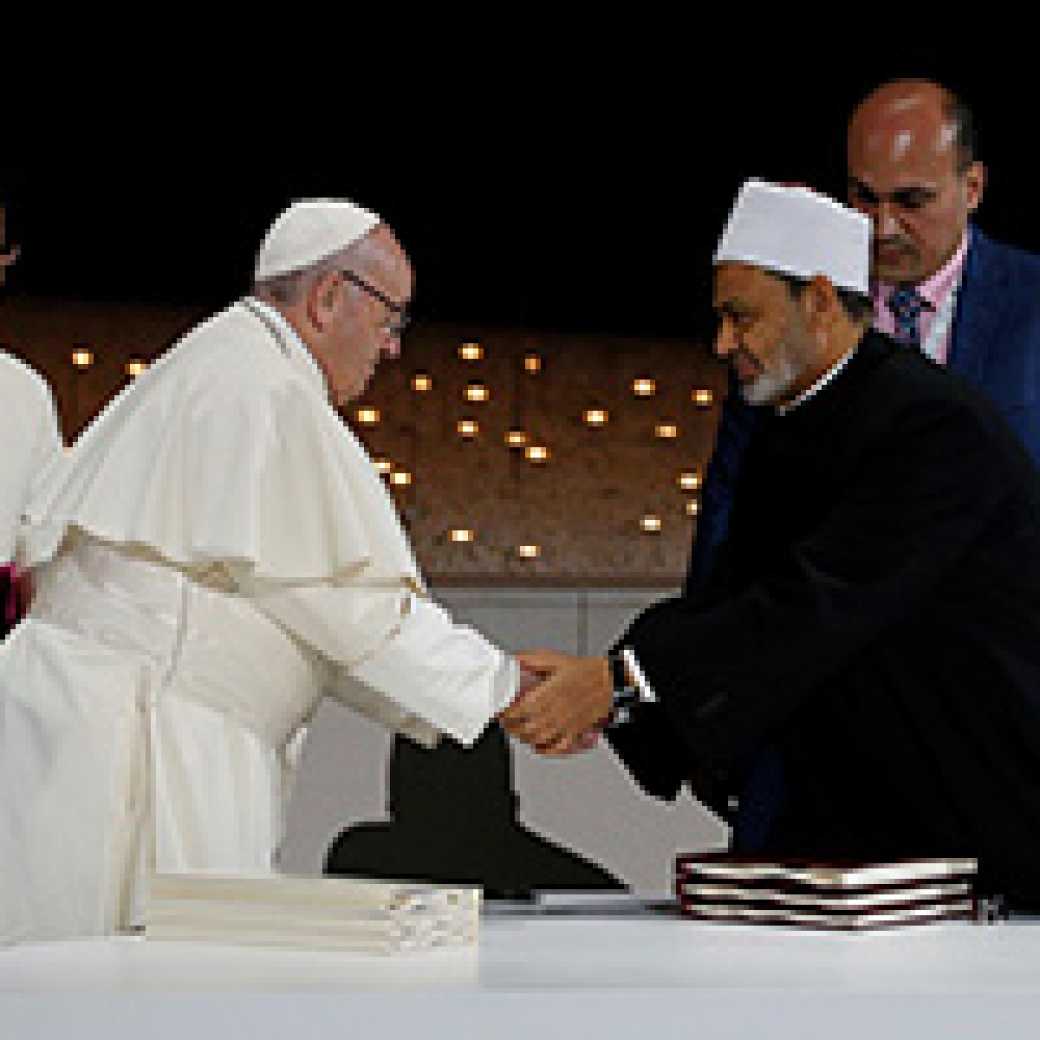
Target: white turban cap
column 309, row 231
column 799, row 232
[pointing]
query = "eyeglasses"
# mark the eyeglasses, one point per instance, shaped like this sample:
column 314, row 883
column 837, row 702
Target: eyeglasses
column 393, row 328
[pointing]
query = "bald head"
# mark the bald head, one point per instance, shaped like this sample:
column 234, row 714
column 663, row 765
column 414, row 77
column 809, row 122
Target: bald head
column 912, row 171
column 917, row 112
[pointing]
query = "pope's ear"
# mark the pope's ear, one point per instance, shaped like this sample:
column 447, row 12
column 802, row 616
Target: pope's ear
column 322, row 295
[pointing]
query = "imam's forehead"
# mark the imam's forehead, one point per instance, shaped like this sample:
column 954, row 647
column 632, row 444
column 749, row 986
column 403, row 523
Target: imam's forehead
column 733, row 277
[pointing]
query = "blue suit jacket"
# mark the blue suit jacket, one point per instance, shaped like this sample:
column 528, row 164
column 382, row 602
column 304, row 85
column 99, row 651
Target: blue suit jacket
column 995, row 345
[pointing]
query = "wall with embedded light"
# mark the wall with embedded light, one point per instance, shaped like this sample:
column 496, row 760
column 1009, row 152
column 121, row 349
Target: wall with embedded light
column 515, row 457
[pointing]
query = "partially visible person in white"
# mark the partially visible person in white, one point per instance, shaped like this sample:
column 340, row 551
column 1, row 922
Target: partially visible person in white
column 219, row 554
column 29, row 443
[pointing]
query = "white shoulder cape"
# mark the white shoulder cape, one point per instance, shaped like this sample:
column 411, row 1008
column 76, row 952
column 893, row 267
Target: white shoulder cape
column 227, row 451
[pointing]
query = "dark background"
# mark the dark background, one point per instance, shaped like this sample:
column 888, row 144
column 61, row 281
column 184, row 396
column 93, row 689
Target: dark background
column 571, row 195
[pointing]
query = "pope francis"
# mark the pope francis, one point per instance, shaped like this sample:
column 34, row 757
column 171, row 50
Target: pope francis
column 218, row 554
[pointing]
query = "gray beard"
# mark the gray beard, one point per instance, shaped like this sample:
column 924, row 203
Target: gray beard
column 771, row 387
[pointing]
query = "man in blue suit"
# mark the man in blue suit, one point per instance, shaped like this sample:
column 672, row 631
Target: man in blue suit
column 940, row 286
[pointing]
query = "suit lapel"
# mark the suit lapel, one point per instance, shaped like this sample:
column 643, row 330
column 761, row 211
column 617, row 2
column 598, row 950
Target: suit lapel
column 978, row 313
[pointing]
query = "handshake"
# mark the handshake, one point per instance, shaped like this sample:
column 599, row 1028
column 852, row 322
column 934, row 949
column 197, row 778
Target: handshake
column 562, row 702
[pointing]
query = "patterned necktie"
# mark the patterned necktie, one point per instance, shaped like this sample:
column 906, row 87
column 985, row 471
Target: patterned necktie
column 906, row 305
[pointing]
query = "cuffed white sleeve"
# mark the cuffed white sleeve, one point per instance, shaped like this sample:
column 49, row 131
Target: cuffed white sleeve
column 445, row 673
column 402, row 646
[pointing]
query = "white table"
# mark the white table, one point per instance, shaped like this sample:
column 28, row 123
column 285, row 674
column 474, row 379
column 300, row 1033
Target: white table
column 541, row 977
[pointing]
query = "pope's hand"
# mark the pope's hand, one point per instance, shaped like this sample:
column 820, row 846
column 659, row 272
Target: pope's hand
column 566, row 711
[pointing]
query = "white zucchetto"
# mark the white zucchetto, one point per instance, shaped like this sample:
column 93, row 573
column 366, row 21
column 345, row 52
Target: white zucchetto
column 799, row 232
column 309, row 231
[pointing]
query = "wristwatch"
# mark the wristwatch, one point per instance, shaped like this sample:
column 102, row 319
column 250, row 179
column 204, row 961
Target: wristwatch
column 626, row 693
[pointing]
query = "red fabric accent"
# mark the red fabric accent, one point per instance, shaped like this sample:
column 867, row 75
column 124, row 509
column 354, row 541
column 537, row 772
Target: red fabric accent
column 9, row 607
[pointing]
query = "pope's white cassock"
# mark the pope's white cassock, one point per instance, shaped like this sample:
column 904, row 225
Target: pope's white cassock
column 220, row 554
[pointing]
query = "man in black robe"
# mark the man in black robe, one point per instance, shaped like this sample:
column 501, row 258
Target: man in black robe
column 873, row 617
